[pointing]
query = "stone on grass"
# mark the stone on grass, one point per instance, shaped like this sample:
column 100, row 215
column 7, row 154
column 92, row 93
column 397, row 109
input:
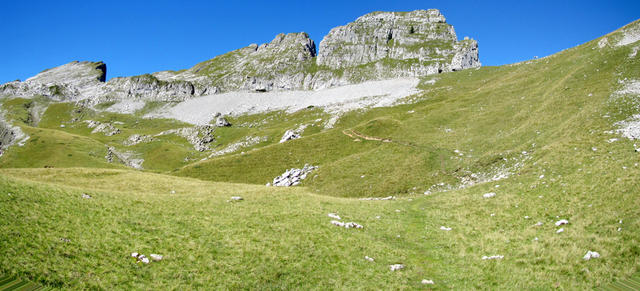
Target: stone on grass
column 236, row 198
column 396, row 267
column 562, row 222
column 156, row 257
column 494, row 257
column 333, row 215
column 290, row 135
column 489, row 195
column 591, row 255
column 427, row 282
column 445, row 228
column 293, row 177
column 347, row 224
column 86, row 196
column 370, row 259
column 560, row 230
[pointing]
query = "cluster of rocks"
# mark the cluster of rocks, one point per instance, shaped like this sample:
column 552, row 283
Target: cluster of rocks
column 220, row 121
column 98, row 127
column 135, row 139
column 126, row 158
column 346, row 224
column 140, row 258
column 290, row 135
column 200, row 136
column 293, row 176
column 10, row 135
column 246, row 142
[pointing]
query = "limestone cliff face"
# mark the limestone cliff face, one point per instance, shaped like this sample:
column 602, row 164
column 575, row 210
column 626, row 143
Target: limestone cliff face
column 277, row 65
column 67, row 82
column 396, row 44
column 378, row 45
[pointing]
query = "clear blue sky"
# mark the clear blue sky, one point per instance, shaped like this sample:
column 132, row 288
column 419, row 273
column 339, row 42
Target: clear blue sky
column 137, row 37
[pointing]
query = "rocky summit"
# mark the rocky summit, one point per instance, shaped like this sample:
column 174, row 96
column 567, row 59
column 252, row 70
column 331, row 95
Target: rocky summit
column 391, row 44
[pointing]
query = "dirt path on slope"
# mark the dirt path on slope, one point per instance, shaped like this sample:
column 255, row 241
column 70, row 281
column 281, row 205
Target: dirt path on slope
column 357, row 135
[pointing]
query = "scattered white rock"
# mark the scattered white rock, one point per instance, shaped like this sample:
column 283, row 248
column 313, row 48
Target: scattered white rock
column 290, row 135
column 135, row 255
column 494, row 257
column 86, row 196
column 346, row 225
column 156, row 257
column 62, row 126
column 427, row 282
column 293, row 176
column 492, row 214
column 619, row 228
column 135, row 139
column 489, row 195
column 333, row 215
column 539, row 223
column 236, row 198
column 591, row 255
column 396, row 267
column 560, row 230
column 445, row 228
column 370, row 259
column 144, row 260
column 562, row 222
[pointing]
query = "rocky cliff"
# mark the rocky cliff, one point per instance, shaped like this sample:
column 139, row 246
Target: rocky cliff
column 378, row 45
column 278, row 65
column 392, row 44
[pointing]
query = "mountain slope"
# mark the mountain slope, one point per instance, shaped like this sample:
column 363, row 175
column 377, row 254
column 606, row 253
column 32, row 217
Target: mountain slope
column 485, row 163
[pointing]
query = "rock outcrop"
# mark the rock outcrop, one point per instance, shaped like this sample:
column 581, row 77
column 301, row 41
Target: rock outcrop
column 394, row 44
column 199, row 136
column 69, row 82
column 293, row 177
column 278, row 65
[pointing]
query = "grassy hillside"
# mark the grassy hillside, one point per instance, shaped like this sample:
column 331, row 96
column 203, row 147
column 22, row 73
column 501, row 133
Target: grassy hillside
column 467, row 123
column 539, row 134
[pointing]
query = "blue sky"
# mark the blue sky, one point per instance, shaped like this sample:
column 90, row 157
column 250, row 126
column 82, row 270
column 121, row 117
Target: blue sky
column 137, row 37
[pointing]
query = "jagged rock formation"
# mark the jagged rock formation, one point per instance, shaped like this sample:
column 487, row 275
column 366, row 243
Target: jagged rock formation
column 378, row 45
column 10, row 135
column 71, row 81
column 393, row 44
column 279, row 64
column 98, row 127
column 126, row 158
column 135, row 139
column 199, row 136
column 293, row 177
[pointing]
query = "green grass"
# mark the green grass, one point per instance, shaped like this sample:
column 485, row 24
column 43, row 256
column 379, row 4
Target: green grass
column 545, row 123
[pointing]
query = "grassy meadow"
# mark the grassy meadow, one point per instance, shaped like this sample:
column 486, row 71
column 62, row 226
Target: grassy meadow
column 538, row 134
